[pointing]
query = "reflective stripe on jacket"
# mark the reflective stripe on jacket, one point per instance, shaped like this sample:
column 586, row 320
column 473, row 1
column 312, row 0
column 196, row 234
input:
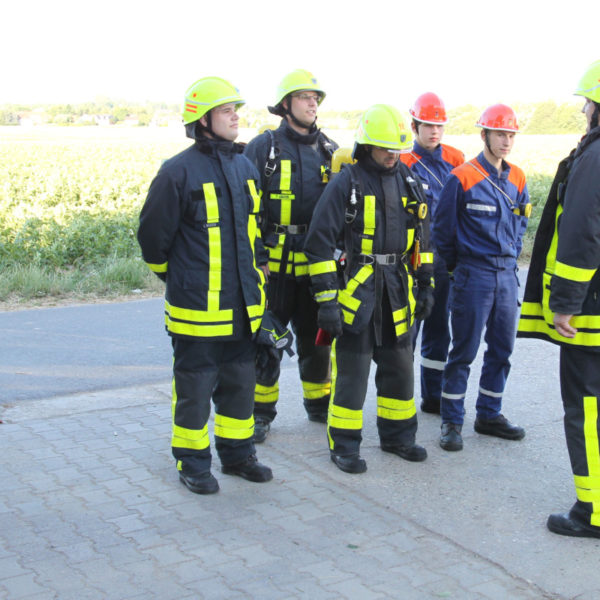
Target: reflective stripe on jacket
column 199, row 232
column 359, row 292
column 433, row 167
column 474, row 220
column 292, row 191
column 564, row 272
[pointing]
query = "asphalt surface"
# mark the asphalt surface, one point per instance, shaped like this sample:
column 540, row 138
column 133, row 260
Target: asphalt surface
column 90, row 504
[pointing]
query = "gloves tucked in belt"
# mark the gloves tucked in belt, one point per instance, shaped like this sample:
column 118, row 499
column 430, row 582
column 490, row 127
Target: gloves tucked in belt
column 329, row 318
column 424, row 303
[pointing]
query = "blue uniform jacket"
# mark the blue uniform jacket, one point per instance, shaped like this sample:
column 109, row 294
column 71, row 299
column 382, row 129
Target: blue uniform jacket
column 475, row 220
column 433, row 168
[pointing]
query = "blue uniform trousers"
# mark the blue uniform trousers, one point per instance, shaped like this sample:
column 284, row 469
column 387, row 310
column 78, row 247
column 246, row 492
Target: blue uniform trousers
column 435, row 338
column 481, row 296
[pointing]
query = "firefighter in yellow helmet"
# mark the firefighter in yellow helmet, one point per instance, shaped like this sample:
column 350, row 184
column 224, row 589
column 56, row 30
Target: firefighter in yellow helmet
column 293, row 162
column 561, row 306
column 199, row 233
column 374, row 212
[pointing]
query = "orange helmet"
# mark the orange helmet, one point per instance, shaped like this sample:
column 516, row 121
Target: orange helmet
column 429, row 108
column 499, row 117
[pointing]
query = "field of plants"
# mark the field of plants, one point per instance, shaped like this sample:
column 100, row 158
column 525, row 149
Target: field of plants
column 70, row 200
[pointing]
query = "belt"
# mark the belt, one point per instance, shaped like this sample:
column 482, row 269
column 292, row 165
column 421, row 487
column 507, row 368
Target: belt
column 291, row 229
column 380, row 259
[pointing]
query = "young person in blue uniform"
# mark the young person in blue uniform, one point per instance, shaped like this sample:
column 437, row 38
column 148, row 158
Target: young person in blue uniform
column 478, row 227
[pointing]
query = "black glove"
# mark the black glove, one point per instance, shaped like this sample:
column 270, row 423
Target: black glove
column 268, row 361
column 329, row 318
column 424, row 303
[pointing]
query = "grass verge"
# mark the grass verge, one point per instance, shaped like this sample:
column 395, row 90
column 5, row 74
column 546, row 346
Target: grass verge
column 26, row 286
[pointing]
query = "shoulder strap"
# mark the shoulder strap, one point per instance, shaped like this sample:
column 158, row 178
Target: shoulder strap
column 415, row 189
column 271, row 164
column 353, row 204
column 326, row 145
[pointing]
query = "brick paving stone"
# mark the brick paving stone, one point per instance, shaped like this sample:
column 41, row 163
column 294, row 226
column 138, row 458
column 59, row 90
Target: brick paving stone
column 254, row 555
column 91, row 514
column 10, row 567
column 22, row 586
column 354, row 589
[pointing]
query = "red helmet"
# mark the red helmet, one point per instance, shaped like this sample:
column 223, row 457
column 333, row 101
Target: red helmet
column 429, row 108
column 499, row 117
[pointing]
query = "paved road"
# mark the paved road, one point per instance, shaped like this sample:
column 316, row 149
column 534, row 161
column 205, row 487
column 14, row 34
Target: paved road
column 90, row 505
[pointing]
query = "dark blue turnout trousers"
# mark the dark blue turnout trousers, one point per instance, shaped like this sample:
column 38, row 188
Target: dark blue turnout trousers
column 482, row 297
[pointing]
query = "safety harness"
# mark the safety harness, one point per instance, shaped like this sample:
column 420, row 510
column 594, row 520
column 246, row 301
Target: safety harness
column 273, row 163
column 417, row 207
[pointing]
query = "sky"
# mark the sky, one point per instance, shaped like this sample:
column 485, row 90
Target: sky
column 362, row 52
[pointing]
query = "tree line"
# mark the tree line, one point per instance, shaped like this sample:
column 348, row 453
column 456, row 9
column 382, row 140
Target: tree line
column 546, row 117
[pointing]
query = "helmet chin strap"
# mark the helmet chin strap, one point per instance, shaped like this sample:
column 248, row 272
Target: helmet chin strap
column 288, row 112
column 487, row 144
column 595, row 116
column 209, row 128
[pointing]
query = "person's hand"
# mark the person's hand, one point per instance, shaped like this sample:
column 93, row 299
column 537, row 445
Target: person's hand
column 424, row 304
column 329, row 318
column 563, row 326
column 266, row 271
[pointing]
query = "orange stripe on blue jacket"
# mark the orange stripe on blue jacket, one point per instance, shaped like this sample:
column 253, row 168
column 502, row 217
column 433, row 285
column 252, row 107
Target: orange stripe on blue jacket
column 474, row 219
column 433, row 167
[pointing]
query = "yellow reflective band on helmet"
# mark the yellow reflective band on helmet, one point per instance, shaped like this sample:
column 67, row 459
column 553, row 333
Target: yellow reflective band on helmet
column 573, row 273
column 233, row 429
column 297, row 81
column 314, row 391
column 158, row 268
column 319, row 268
column 382, row 125
column 366, row 245
column 589, row 84
column 191, row 439
column 395, row 410
column 344, row 418
column 206, row 94
column 426, row 258
column 266, row 394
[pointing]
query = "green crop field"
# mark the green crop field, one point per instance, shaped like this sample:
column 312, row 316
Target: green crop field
column 70, row 199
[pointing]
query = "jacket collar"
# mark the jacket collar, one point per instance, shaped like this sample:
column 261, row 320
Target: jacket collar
column 435, row 153
column 299, row 138
column 491, row 169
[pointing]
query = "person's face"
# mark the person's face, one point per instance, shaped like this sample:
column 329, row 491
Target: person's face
column 383, row 157
column 304, row 105
column 429, row 135
column 225, row 121
column 501, row 142
column 588, row 111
